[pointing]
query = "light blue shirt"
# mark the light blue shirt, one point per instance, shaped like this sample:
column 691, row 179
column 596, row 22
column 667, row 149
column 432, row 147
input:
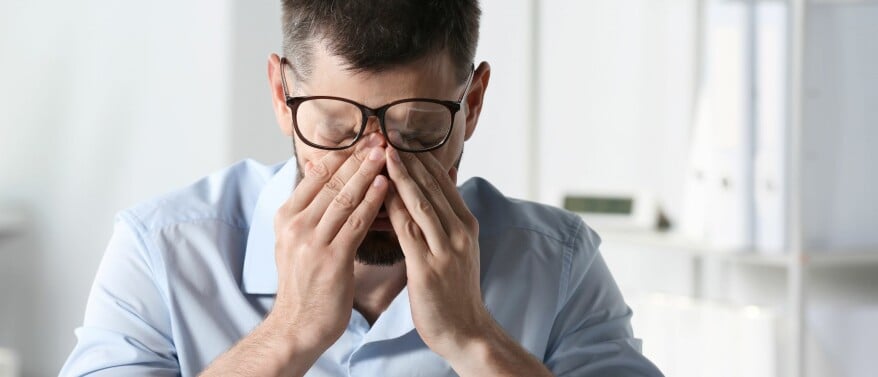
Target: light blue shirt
column 186, row 275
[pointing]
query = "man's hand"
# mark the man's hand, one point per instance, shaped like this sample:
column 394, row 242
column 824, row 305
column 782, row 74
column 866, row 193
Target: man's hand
column 440, row 239
column 318, row 231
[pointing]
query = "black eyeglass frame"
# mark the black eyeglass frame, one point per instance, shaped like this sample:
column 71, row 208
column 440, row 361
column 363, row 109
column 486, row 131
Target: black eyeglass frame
column 294, row 102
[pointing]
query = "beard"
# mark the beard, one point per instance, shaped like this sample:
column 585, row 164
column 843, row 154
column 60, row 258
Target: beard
column 379, row 248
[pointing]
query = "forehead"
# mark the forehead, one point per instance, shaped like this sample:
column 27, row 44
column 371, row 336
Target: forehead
column 429, row 77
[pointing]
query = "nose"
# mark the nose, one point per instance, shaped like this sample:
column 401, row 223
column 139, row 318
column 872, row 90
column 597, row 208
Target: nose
column 372, row 134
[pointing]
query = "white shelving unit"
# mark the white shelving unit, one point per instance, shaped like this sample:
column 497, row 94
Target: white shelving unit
column 796, row 271
column 797, row 260
column 565, row 71
column 812, row 258
column 796, row 265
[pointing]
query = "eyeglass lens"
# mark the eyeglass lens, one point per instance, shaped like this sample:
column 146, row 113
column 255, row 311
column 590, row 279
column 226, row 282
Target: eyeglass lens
column 413, row 125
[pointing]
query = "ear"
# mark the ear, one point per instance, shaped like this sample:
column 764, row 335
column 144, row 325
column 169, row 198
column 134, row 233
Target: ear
column 278, row 99
column 476, row 96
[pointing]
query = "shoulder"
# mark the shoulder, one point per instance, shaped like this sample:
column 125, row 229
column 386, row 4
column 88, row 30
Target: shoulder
column 533, row 258
column 227, row 196
column 529, row 238
column 498, row 215
column 195, row 234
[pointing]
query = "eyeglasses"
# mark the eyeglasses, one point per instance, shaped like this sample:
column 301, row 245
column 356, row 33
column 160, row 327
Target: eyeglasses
column 410, row 125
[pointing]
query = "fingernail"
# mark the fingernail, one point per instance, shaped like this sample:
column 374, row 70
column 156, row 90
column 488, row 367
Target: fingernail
column 393, row 154
column 375, row 154
column 379, row 181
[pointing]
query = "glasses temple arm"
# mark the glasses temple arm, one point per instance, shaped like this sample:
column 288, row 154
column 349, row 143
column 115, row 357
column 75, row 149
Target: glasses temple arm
column 469, row 82
column 283, row 78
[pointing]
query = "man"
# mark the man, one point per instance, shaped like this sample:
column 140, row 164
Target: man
column 359, row 256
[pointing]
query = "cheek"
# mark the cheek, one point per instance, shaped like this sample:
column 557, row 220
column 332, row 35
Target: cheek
column 287, row 129
column 449, row 154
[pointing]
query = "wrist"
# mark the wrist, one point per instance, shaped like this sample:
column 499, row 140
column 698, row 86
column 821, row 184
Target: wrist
column 273, row 349
column 476, row 348
column 289, row 345
column 493, row 353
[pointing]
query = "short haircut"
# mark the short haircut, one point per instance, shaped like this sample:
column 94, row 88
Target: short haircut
column 373, row 36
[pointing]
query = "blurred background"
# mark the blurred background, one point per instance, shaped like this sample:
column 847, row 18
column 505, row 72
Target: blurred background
column 723, row 150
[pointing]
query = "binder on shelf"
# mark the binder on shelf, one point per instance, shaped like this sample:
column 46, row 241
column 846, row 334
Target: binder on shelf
column 718, row 204
column 770, row 154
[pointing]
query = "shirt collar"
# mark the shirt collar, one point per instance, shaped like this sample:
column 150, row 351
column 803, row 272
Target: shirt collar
column 260, row 271
column 394, row 322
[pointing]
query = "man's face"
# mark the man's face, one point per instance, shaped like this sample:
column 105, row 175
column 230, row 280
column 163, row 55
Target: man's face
column 434, row 77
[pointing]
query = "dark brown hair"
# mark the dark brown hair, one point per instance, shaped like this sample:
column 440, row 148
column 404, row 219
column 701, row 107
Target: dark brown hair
column 376, row 35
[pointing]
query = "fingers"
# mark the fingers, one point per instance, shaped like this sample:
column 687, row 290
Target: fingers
column 422, row 197
column 436, row 171
column 355, row 226
column 316, row 174
column 408, row 232
column 333, row 184
column 351, row 197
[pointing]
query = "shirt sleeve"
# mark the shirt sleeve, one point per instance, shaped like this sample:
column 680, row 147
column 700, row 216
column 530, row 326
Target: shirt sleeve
column 592, row 334
column 127, row 329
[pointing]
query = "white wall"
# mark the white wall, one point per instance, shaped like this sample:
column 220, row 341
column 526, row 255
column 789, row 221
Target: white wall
column 616, row 87
column 498, row 151
column 102, row 104
column 253, row 35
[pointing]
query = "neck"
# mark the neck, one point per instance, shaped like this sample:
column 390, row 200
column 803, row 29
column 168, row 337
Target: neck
column 375, row 287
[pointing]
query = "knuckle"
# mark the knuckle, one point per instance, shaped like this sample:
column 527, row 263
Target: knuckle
column 471, row 223
column 360, row 154
column 434, row 186
column 280, row 219
column 344, row 200
column 296, row 222
column 282, row 214
column 368, row 201
column 318, row 169
column 356, row 222
column 365, row 173
column 461, row 243
column 412, row 229
column 334, row 184
column 425, row 206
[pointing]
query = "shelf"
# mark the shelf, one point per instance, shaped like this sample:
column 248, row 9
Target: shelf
column 842, row 2
column 849, row 257
column 669, row 242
